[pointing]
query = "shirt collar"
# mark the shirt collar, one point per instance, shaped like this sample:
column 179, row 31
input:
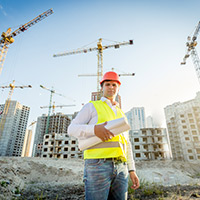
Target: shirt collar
column 108, row 101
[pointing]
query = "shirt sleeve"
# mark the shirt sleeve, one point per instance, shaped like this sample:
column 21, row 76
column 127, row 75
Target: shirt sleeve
column 130, row 160
column 80, row 127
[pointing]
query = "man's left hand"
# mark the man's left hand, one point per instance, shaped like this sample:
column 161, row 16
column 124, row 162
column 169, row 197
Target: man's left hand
column 135, row 180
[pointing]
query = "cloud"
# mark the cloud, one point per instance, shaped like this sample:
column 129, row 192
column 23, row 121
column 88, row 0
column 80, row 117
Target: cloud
column 2, row 10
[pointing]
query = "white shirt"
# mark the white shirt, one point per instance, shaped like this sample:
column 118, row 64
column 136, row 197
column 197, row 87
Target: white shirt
column 82, row 127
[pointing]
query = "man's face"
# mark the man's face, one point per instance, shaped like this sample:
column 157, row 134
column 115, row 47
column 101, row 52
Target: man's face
column 110, row 89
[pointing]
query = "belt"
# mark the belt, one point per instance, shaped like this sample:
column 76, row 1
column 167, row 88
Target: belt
column 115, row 160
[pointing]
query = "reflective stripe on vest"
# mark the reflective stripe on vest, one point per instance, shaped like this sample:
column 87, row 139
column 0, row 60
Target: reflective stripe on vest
column 116, row 147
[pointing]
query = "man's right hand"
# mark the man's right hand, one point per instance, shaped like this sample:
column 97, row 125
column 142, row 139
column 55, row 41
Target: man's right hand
column 103, row 133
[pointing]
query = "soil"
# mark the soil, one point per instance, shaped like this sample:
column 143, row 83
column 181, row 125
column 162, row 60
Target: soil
column 49, row 179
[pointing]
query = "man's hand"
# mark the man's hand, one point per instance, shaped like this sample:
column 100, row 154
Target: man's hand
column 103, row 133
column 135, row 180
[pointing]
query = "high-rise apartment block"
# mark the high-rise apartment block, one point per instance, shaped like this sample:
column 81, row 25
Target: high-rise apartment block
column 13, row 125
column 183, row 123
column 150, row 122
column 136, row 118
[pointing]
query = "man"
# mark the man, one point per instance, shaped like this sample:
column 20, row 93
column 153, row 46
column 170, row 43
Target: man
column 106, row 164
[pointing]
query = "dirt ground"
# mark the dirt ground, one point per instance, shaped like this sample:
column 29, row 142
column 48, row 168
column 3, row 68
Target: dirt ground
column 39, row 178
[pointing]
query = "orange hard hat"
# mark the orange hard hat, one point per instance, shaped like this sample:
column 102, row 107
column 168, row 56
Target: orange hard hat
column 111, row 76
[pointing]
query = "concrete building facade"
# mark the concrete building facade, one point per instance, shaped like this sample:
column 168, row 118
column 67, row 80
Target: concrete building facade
column 60, row 146
column 58, row 123
column 13, row 128
column 183, row 124
column 150, row 144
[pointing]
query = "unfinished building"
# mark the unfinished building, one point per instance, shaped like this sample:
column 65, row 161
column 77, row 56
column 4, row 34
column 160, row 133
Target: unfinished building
column 150, row 144
column 56, row 143
column 60, row 146
column 58, row 123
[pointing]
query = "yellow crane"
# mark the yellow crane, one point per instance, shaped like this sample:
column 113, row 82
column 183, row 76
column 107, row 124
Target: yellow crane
column 100, row 48
column 7, row 37
column 56, row 106
column 191, row 50
column 7, row 103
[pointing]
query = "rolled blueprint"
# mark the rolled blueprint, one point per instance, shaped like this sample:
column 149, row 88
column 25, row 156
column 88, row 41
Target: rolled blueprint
column 116, row 126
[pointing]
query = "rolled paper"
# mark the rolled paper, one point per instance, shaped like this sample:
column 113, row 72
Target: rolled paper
column 116, row 126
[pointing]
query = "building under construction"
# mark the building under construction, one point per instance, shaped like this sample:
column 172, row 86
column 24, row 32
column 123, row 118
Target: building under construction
column 60, row 146
column 13, row 128
column 150, row 144
column 147, row 143
column 57, row 131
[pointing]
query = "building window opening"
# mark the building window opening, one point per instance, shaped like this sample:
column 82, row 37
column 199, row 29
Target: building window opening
column 136, row 140
column 198, row 151
column 189, row 150
column 191, row 157
column 187, row 138
column 137, row 147
column 137, row 155
column 73, row 149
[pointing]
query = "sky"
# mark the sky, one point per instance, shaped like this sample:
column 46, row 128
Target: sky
column 158, row 28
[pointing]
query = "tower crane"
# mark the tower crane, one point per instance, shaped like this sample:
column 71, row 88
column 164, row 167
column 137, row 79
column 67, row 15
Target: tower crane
column 52, row 91
column 7, row 104
column 54, row 106
column 124, row 74
column 191, row 50
column 100, row 48
column 7, row 37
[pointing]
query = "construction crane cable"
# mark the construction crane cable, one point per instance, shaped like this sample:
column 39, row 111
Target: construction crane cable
column 111, row 40
column 88, row 44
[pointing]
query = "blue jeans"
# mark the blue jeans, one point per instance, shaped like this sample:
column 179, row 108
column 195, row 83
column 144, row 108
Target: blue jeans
column 105, row 179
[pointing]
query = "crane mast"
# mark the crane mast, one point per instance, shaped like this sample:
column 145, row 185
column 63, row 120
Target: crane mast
column 100, row 48
column 7, row 37
column 52, row 91
column 191, row 50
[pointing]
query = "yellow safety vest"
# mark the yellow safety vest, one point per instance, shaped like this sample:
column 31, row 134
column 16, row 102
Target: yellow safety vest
column 113, row 148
